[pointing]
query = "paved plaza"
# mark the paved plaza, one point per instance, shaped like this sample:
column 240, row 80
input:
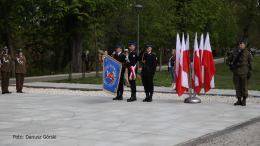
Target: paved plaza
column 99, row 121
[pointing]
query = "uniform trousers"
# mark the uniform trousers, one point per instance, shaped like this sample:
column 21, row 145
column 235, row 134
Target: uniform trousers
column 241, row 84
column 148, row 84
column 5, row 81
column 121, row 83
column 19, row 81
column 132, row 82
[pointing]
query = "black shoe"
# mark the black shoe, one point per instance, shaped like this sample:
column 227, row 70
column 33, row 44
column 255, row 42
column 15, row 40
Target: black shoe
column 239, row 102
column 150, row 99
column 3, row 92
column 19, row 92
column 132, row 98
column 120, row 97
column 116, row 98
column 8, row 92
column 146, row 98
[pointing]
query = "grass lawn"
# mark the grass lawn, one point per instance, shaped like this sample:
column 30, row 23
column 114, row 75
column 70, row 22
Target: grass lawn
column 163, row 78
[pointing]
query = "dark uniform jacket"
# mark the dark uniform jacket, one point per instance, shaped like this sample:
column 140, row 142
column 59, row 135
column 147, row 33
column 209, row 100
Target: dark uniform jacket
column 244, row 63
column 6, row 63
column 133, row 58
column 149, row 61
column 121, row 58
column 20, row 64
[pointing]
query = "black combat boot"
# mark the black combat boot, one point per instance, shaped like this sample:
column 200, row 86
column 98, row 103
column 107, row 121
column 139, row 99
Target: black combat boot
column 239, row 102
column 147, row 97
column 150, row 99
column 244, row 101
column 132, row 98
column 117, row 96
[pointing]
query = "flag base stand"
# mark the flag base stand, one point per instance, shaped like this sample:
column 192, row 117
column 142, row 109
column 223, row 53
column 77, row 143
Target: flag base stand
column 192, row 97
column 192, row 100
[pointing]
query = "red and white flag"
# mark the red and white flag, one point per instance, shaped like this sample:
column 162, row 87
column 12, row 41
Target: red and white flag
column 201, row 48
column 183, row 84
column 208, row 63
column 196, row 69
column 177, row 59
column 187, row 54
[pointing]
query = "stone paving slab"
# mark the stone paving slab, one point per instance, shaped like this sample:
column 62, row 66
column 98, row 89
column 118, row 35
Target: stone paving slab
column 93, row 87
column 100, row 121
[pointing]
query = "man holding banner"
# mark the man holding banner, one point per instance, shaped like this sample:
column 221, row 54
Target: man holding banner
column 121, row 58
column 132, row 70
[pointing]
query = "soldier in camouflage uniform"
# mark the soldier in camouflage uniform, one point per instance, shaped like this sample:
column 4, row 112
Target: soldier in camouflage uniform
column 242, row 68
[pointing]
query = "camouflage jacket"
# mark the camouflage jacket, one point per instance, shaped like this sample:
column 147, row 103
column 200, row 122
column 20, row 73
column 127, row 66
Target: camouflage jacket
column 244, row 63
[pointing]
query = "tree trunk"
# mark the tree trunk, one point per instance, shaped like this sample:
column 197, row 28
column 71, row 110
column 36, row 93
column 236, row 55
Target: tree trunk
column 8, row 40
column 75, row 42
column 78, row 48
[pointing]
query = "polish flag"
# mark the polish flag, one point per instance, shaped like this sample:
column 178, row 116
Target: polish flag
column 177, row 59
column 208, row 63
column 196, row 69
column 187, row 55
column 183, row 84
column 201, row 48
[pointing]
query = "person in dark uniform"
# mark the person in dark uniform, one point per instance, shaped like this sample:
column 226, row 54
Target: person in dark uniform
column 132, row 70
column 121, row 58
column 241, row 63
column 20, row 70
column 149, row 62
column 5, row 70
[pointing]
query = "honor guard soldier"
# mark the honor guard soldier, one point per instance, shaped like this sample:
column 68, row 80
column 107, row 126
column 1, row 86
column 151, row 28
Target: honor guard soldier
column 20, row 70
column 149, row 62
column 121, row 58
column 5, row 70
column 242, row 68
column 132, row 70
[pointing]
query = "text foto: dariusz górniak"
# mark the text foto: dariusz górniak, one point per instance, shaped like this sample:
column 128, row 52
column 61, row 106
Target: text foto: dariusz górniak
column 34, row 136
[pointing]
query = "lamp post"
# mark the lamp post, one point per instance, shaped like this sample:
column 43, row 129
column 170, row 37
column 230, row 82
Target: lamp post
column 138, row 7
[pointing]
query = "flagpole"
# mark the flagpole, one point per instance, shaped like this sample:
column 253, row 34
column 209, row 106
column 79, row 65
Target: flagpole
column 192, row 97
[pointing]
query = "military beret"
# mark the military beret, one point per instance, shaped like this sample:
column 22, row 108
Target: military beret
column 241, row 42
column 132, row 43
column 118, row 46
column 148, row 46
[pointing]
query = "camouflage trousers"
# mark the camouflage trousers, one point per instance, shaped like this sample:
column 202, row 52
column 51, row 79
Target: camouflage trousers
column 241, row 84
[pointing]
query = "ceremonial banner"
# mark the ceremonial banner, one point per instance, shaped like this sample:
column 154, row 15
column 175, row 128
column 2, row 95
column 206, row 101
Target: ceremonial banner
column 111, row 74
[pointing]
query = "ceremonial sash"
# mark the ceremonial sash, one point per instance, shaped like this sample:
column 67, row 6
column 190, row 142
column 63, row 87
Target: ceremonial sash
column 132, row 74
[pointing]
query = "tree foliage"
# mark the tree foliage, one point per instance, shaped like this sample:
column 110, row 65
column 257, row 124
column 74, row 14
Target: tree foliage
column 54, row 32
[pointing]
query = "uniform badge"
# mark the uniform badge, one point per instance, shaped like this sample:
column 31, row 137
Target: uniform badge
column 133, row 55
column 156, row 58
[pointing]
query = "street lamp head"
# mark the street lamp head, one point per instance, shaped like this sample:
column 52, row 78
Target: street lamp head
column 138, row 6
